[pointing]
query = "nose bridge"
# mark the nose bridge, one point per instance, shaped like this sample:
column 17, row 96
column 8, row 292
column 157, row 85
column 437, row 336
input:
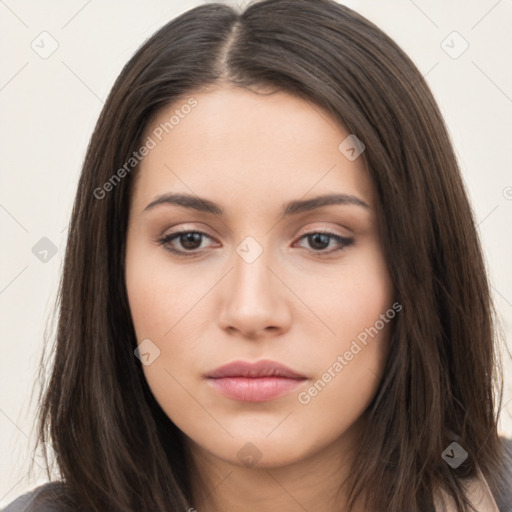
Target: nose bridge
column 253, row 301
column 251, row 273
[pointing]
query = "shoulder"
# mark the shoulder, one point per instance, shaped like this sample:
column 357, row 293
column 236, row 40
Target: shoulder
column 504, row 498
column 478, row 490
column 45, row 498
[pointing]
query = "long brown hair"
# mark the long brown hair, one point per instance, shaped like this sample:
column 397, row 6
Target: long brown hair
column 117, row 450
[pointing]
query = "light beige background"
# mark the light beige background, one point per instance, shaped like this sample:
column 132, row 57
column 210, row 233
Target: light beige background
column 49, row 107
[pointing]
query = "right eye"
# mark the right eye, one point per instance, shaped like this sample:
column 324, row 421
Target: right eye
column 189, row 240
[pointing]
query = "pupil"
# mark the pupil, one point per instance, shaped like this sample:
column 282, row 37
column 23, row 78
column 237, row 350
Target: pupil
column 190, row 239
column 319, row 238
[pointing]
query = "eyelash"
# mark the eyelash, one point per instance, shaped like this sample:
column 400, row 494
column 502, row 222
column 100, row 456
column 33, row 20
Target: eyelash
column 343, row 241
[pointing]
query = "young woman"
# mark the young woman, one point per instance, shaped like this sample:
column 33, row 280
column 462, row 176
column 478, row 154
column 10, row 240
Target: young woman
column 274, row 296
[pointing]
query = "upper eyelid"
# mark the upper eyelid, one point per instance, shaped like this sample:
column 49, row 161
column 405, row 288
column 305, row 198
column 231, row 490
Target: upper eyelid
column 326, row 231
column 314, row 229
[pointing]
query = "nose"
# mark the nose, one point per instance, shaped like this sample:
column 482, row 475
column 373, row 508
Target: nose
column 255, row 301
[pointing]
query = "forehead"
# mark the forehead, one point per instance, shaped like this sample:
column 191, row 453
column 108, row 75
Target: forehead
column 237, row 144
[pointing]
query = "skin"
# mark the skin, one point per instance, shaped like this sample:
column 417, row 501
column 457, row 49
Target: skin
column 251, row 153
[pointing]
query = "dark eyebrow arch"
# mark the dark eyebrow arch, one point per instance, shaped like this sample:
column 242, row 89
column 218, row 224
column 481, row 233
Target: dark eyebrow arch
column 300, row 206
column 291, row 208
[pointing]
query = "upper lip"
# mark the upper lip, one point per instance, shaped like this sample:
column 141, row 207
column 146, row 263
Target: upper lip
column 262, row 368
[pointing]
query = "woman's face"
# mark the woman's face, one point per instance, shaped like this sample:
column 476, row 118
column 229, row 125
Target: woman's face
column 258, row 285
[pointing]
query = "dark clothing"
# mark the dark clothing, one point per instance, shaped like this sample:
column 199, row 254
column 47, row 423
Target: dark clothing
column 37, row 500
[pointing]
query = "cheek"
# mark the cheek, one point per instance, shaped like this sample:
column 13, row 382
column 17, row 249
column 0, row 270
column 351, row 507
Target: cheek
column 349, row 297
column 350, row 369
column 159, row 296
column 349, row 365
column 161, row 303
column 167, row 308
column 343, row 392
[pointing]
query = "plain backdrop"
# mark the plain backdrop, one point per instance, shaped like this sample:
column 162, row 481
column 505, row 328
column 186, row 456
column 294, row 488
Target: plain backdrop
column 49, row 105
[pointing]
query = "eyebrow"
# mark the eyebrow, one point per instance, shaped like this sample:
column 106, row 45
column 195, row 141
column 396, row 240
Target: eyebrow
column 290, row 208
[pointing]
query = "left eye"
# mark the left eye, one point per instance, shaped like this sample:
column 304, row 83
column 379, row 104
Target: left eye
column 322, row 238
column 191, row 241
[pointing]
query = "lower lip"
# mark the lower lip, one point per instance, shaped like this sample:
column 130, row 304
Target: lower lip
column 254, row 389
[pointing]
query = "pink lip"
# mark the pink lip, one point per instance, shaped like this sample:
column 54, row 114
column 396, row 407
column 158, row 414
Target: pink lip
column 254, row 382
